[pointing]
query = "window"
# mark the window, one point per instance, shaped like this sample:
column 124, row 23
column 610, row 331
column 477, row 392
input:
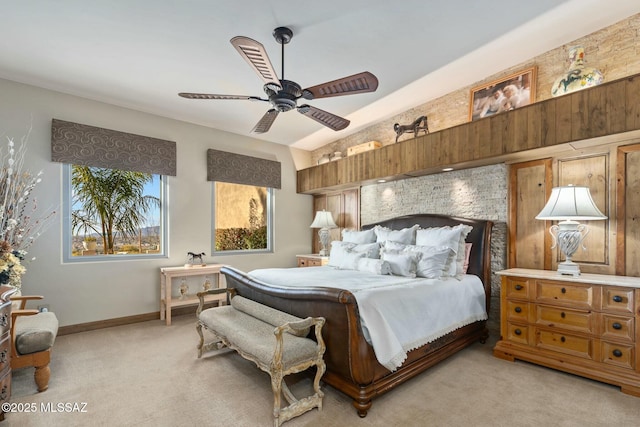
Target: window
column 242, row 218
column 111, row 214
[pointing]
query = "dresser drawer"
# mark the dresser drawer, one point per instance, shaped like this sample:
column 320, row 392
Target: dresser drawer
column 582, row 321
column 5, row 353
column 516, row 287
column 565, row 343
column 558, row 293
column 618, row 354
column 617, row 299
column 518, row 310
column 618, row 327
column 5, row 318
column 517, row 333
column 5, row 387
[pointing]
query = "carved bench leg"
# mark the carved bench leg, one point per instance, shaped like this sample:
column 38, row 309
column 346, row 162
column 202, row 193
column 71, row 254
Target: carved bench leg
column 201, row 343
column 276, row 386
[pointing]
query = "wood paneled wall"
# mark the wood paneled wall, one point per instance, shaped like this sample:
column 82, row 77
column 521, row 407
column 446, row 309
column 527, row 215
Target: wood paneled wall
column 607, row 109
column 345, row 209
column 612, row 245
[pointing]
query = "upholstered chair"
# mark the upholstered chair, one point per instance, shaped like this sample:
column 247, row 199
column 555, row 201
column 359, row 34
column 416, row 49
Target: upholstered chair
column 32, row 336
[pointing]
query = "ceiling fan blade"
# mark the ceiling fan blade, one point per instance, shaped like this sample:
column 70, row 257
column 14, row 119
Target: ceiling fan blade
column 357, row 83
column 256, row 56
column 329, row 120
column 266, row 121
column 214, row 96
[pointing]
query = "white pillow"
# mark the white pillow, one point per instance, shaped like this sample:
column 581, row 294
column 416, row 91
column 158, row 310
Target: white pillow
column 392, row 246
column 433, row 260
column 451, row 237
column 402, row 263
column 338, row 251
column 349, row 261
column 354, row 236
column 406, row 235
column 371, row 250
column 375, row 266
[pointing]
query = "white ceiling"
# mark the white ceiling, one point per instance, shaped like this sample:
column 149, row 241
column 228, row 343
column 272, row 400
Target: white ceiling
column 140, row 53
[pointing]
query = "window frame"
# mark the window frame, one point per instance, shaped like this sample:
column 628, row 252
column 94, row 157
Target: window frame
column 68, row 258
column 270, row 222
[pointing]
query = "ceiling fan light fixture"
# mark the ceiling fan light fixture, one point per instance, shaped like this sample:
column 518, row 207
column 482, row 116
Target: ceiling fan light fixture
column 283, row 94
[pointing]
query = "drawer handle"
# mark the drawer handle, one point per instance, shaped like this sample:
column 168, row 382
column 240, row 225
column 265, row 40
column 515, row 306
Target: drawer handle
column 518, row 332
column 617, row 353
column 563, row 290
column 563, row 339
column 4, row 320
column 518, row 310
column 3, row 356
column 518, row 287
column 563, row 315
column 617, row 298
column 617, row 325
column 4, row 393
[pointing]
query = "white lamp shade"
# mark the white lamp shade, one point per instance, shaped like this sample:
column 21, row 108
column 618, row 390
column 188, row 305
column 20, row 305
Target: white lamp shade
column 570, row 203
column 323, row 219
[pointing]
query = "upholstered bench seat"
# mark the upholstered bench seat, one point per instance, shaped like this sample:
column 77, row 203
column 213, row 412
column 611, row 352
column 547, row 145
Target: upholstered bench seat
column 275, row 341
column 35, row 333
column 256, row 337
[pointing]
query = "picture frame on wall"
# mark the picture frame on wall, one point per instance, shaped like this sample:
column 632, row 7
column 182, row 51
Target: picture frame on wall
column 505, row 94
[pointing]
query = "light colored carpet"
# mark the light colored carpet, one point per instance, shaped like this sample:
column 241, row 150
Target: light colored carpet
column 147, row 374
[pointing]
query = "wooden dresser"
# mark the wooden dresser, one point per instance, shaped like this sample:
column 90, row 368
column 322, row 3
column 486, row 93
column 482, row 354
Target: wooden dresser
column 5, row 345
column 586, row 325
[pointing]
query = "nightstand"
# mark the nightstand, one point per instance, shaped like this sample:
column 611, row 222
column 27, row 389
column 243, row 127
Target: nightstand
column 312, row 260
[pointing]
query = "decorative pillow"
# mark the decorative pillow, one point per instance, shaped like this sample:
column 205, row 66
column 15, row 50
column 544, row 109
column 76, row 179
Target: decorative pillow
column 402, row 263
column 375, row 266
column 406, row 235
column 359, row 237
column 467, row 253
column 339, row 250
column 432, row 262
column 451, row 237
column 371, row 250
column 390, row 245
column 349, row 261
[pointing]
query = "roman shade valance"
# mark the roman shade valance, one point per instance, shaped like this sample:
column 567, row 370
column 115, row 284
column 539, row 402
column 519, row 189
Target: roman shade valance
column 85, row 145
column 238, row 169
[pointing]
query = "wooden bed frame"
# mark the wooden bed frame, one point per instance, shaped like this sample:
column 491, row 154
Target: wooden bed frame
column 351, row 363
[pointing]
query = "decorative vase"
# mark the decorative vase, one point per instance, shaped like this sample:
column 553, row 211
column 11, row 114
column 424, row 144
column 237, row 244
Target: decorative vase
column 184, row 288
column 578, row 76
column 206, row 285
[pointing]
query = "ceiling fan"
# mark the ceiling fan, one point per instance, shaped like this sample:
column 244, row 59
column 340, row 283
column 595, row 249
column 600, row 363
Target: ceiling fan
column 283, row 94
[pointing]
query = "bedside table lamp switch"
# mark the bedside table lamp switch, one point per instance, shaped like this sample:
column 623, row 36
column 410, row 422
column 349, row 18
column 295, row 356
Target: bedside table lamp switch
column 568, row 205
column 323, row 221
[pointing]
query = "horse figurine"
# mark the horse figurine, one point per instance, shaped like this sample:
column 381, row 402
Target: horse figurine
column 193, row 257
column 419, row 124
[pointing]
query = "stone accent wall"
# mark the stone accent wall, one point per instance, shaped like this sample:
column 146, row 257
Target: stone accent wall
column 614, row 50
column 479, row 193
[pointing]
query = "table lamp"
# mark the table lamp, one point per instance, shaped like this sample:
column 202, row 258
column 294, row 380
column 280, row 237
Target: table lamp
column 323, row 221
column 568, row 205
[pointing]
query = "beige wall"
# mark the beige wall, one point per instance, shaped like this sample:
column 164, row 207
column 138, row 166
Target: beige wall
column 88, row 292
column 614, row 50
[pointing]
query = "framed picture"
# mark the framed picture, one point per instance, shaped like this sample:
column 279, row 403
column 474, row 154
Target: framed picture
column 506, row 94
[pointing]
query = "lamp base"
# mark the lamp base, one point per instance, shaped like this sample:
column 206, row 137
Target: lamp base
column 569, row 268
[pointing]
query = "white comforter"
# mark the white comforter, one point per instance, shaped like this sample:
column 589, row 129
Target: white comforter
column 398, row 314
